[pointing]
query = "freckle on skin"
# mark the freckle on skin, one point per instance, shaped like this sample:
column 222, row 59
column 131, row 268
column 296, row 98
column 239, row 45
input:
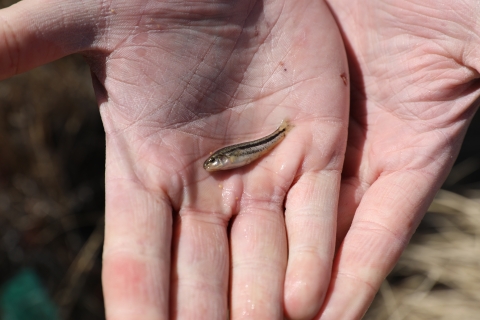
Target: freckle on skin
column 220, row 186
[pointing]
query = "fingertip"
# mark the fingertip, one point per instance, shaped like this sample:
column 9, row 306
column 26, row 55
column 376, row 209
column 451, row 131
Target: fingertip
column 36, row 32
column 306, row 284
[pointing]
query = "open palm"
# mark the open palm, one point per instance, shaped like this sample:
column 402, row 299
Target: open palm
column 176, row 81
column 414, row 70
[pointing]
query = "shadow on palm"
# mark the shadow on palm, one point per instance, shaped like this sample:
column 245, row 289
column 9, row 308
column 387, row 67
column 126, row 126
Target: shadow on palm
column 176, row 94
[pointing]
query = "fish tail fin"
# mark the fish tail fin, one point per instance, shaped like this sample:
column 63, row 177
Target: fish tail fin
column 285, row 125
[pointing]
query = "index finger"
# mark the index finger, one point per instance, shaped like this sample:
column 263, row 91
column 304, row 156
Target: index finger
column 34, row 32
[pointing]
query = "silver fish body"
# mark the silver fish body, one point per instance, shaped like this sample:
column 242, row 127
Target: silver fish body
column 241, row 154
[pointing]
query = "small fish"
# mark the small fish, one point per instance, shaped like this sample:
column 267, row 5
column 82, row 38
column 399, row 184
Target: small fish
column 241, row 154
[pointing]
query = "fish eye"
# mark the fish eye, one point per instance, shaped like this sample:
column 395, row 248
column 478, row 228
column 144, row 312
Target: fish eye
column 211, row 160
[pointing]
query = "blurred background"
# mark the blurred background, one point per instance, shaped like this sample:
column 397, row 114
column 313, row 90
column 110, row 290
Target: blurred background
column 52, row 154
column 52, row 148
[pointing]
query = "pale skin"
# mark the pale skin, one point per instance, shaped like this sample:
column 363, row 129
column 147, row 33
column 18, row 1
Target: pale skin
column 176, row 81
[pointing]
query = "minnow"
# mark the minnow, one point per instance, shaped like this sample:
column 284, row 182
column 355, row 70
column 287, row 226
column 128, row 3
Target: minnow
column 239, row 155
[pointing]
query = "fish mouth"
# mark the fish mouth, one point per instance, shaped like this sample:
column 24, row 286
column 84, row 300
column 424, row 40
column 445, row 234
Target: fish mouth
column 206, row 166
column 209, row 168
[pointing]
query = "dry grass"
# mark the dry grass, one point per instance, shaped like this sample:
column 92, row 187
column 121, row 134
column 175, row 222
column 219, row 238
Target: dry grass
column 438, row 276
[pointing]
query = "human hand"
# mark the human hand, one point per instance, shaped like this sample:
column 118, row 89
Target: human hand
column 414, row 76
column 176, row 80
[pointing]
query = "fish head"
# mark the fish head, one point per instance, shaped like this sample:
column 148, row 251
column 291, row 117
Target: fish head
column 216, row 162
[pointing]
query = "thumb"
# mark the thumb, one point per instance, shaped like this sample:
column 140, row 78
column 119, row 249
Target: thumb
column 35, row 32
